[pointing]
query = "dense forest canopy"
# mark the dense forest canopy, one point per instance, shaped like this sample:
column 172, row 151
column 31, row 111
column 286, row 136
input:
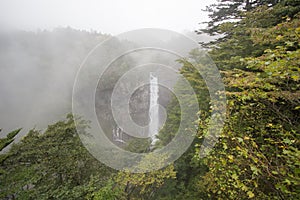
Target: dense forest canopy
column 257, row 155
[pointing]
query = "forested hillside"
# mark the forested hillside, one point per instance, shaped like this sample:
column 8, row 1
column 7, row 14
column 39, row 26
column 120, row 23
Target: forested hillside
column 37, row 73
column 257, row 155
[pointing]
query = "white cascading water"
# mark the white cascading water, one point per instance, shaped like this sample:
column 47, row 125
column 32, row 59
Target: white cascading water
column 153, row 108
column 118, row 135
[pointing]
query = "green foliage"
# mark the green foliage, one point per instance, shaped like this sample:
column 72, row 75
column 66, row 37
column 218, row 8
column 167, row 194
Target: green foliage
column 227, row 10
column 138, row 145
column 108, row 192
column 237, row 41
column 145, row 185
column 258, row 153
column 4, row 142
column 257, row 156
column 53, row 164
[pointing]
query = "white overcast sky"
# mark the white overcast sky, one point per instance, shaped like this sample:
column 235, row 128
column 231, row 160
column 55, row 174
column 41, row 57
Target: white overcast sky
column 106, row 16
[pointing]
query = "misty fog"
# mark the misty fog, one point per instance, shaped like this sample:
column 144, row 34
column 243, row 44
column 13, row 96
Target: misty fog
column 37, row 72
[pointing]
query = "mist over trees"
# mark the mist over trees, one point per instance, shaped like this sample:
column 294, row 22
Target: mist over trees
column 257, row 155
column 37, row 73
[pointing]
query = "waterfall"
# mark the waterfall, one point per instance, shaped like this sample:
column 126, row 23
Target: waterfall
column 153, row 108
column 118, row 135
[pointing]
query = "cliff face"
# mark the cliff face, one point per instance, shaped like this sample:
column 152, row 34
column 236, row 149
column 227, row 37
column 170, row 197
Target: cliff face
column 139, row 106
column 130, row 71
column 138, row 109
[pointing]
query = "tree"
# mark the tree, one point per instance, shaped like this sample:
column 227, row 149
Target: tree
column 4, row 142
column 53, row 164
column 258, row 153
column 145, row 185
column 234, row 41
